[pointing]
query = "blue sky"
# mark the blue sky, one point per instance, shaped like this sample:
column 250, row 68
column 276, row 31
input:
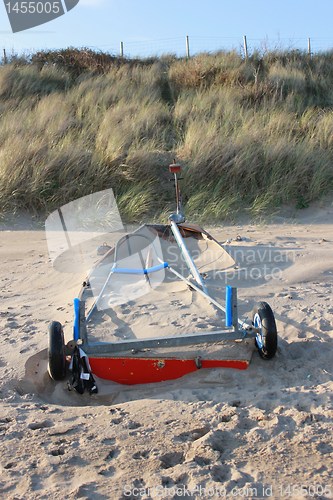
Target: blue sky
column 149, row 27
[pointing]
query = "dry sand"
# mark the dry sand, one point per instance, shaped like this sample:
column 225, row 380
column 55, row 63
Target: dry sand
column 261, row 433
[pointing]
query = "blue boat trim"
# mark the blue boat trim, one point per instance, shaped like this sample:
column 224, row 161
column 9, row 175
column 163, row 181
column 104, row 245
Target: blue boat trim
column 154, row 269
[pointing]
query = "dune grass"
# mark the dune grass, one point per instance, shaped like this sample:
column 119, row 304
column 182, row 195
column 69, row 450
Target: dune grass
column 252, row 135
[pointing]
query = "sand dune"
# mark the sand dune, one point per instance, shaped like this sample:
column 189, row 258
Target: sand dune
column 264, row 432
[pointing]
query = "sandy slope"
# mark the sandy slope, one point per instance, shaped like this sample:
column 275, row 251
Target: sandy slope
column 259, row 433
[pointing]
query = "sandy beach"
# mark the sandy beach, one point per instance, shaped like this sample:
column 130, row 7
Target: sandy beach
column 265, row 432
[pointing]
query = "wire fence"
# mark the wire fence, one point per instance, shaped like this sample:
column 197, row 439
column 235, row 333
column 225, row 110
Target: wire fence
column 193, row 45
column 187, row 46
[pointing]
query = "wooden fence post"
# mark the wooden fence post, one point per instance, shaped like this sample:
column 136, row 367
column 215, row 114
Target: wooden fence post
column 246, row 54
column 4, row 56
column 309, row 47
column 121, row 49
column 187, row 47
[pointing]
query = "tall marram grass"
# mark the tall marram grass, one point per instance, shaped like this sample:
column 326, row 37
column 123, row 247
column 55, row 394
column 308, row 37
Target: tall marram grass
column 252, row 134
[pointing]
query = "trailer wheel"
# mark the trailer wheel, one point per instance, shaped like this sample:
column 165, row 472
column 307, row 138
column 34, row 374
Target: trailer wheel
column 57, row 356
column 266, row 339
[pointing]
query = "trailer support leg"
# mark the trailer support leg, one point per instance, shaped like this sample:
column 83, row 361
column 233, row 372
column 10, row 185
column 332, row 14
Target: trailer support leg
column 231, row 310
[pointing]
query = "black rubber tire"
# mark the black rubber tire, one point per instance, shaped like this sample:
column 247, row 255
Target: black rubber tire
column 57, row 356
column 268, row 328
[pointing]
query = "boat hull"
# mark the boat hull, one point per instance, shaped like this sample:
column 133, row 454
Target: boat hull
column 130, row 371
